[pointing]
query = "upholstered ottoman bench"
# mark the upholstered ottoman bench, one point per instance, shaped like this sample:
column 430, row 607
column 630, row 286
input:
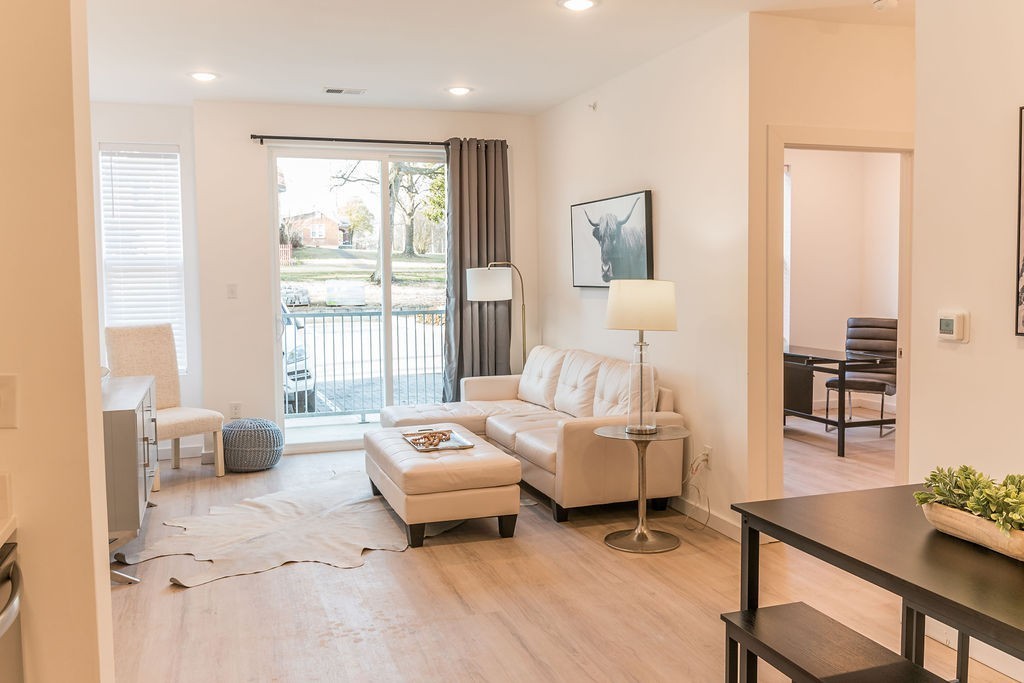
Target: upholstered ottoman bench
column 443, row 485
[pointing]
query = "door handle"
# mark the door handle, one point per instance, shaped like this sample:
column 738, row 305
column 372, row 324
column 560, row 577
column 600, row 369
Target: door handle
column 13, row 607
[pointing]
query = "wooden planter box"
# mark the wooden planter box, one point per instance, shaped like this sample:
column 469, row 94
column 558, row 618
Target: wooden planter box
column 974, row 529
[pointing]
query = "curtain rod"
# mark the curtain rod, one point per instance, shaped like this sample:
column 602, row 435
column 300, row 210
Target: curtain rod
column 261, row 138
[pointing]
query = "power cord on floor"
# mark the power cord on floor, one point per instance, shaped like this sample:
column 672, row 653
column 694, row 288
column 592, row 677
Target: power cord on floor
column 696, row 467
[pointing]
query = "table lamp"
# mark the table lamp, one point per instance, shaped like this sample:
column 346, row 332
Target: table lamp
column 494, row 283
column 641, row 305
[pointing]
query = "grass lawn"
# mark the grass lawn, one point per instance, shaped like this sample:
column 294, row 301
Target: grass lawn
column 418, row 280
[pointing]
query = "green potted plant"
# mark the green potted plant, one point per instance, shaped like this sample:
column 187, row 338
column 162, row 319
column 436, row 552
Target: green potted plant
column 967, row 504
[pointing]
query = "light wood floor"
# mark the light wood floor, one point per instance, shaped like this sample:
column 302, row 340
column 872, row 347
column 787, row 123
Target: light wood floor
column 811, row 466
column 551, row 604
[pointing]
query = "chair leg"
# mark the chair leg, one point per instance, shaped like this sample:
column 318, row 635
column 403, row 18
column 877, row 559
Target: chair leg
column 218, row 444
column 881, row 415
column 828, row 395
column 849, row 405
column 175, row 454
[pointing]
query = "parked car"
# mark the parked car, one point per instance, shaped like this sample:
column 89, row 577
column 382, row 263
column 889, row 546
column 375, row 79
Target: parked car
column 299, row 372
column 294, row 295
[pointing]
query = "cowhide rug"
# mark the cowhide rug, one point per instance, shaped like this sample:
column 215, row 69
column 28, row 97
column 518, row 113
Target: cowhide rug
column 332, row 522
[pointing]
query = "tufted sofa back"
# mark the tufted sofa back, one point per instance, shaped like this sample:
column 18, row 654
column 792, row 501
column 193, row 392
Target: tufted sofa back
column 540, row 376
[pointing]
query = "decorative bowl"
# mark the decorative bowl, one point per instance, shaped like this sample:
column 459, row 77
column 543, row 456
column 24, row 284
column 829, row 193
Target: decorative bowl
column 975, row 529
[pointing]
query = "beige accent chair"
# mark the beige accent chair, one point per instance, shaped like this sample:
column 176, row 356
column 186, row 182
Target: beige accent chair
column 149, row 350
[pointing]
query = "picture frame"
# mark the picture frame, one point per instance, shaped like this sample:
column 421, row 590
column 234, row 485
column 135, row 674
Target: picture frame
column 1019, row 274
column 612, row 239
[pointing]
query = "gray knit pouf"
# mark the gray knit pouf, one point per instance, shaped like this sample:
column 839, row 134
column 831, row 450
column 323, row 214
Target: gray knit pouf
column 252, row 444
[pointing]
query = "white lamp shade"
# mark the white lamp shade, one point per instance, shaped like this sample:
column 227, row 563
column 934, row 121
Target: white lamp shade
column 641, row 305
column 489, row 284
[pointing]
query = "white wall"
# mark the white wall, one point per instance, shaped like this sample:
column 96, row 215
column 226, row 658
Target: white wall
column 677, row 126
column 161, row 125
column 237, row 233
column 966, row 397
column 881, row 264
column 845, row 245
column 49, row 339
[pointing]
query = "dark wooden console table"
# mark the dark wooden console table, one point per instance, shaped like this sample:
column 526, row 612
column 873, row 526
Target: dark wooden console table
column 881, row 536
column 800, row 364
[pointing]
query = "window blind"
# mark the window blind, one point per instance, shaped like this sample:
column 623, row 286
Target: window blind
column 143, row 255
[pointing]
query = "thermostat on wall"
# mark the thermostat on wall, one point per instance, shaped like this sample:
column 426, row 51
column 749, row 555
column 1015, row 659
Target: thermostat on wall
column 954, row 326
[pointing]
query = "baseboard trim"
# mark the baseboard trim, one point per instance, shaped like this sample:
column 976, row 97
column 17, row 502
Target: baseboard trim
column 195, row 451
column 322, row 446
column 695, row 511
column 861, row 401
column 980, row 652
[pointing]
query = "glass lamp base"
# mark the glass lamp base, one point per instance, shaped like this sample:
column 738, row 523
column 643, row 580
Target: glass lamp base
column 649, row 541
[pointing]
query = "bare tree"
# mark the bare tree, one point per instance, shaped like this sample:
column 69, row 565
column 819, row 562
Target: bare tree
column 411, row 185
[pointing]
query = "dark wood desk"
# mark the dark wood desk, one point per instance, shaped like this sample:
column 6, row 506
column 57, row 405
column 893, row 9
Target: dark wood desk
column 801, row 362
column 881, row 536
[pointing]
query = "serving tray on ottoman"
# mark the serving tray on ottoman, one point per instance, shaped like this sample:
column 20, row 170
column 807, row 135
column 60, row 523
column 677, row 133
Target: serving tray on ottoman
column 443, row 484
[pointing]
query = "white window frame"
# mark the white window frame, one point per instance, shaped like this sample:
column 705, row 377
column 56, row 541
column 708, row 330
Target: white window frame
column 128, row 262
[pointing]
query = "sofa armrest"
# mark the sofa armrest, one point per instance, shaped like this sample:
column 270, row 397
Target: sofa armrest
column 494, row 388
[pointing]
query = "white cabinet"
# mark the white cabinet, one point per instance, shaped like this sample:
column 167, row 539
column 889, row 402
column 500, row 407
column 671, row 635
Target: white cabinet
column 129, row 438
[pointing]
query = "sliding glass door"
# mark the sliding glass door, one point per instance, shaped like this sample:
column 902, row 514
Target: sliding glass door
column 362, row 276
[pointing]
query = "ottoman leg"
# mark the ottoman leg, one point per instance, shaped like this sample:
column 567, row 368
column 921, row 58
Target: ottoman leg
column 507, row 525
column 373, row 487
column 415, row 533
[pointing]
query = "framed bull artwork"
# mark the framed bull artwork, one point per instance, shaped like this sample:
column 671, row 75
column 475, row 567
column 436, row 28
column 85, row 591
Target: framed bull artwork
column 612, row 240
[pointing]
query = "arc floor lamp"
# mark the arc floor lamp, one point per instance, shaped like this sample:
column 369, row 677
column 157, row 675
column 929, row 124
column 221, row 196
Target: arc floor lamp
column 494, row 283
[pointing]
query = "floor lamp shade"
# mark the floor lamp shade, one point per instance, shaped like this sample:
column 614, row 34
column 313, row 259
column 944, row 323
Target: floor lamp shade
column 489, row 284
column 641, row 305
column 494, row 283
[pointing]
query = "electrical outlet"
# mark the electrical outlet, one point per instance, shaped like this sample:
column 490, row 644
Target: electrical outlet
column 234, row 410
column 705, row 455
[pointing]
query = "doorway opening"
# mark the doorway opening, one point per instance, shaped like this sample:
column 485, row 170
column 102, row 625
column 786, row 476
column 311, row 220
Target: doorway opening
column 841, row 237
column 766, row 397
column 361, row 272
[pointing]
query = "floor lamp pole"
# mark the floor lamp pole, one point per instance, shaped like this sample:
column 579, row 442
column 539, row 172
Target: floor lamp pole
column 522, row 298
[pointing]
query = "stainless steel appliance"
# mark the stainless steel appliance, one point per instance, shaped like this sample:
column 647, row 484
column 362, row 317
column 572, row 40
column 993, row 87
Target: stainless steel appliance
column 11, row 669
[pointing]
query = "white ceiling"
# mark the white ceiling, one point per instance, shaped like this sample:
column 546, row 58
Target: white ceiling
column 520, row 56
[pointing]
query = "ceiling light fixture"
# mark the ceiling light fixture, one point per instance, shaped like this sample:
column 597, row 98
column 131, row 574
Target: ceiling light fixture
column 204, row 76
column 460, row 90
column 576, row 5
column 882, row 5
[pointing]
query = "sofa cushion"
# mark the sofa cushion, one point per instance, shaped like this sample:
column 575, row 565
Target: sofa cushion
column 611, row 393
column 576, row 381
column 470, row 414
column 539, row 446
column 504, row 428
column 540, row 376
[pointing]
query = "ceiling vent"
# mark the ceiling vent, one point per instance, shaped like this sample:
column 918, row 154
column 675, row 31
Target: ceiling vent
column 345, row 91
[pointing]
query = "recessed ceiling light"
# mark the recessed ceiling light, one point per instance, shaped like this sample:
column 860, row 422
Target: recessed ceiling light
column 577, row 5
column 204, row 76
column 460, row 90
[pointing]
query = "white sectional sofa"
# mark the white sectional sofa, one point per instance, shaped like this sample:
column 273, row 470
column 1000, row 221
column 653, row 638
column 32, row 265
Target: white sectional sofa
column 546, row 417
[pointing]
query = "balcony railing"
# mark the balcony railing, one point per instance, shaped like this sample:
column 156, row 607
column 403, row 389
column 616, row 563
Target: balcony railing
column 334, row 365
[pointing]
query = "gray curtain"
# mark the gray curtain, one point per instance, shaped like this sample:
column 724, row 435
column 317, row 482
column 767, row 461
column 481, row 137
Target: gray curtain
column 478, row 335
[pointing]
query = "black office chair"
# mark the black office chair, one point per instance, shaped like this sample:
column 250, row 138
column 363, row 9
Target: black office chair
column 872, row 337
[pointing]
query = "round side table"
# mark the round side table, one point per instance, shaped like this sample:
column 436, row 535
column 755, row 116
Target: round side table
column 642, row 539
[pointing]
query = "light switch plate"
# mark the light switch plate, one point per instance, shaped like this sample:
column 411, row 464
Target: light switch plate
column 8, row 401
